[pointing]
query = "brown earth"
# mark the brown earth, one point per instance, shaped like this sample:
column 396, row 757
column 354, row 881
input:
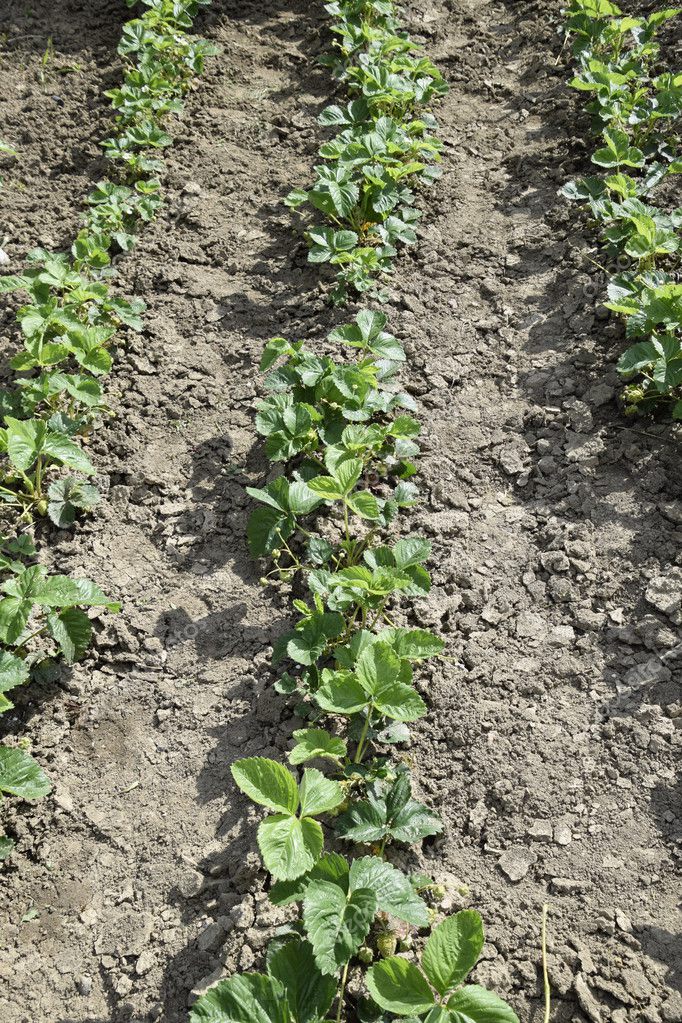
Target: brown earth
column 549, row 746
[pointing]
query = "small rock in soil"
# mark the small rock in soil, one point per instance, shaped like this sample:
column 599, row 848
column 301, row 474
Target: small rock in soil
column 516, row 862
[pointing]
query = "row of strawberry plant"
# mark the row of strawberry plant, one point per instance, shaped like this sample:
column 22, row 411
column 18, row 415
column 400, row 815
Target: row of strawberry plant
column 635, row 112
column 385, row 139
column 346, row 435
column 68, row 330
column 349, row 439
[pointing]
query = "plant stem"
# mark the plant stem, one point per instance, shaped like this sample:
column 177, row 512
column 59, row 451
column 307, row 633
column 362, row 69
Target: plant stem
column 363, row 738
column 344, row 977
column 39, row 478
column 545, row 975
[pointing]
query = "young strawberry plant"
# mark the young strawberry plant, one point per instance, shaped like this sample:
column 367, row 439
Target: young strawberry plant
column 344, row 432
column 385, row 141
column 635, row 108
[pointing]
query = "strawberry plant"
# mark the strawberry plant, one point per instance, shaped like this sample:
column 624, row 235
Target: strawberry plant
column 42, row 616
column 385, row 141
column 635, row 107
column 403, row 989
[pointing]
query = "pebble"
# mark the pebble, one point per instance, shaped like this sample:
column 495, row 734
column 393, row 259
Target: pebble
column 562, row 834
column 665, row 594
column 586, row 1000
column 146, row 960
column 204, row 984
column 123, row 986
column 516, row 862
column 84, row 984
column 540, row 830
column 211, row 937
column 555, row 561
column 243, row 915
column 623, row 921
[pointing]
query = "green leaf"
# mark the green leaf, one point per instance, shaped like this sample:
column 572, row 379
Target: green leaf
column 14, row 614
column 453, row 950
column 266, row 529
column 336, row 925
column 637, row 357
column 377, row 666
column 388, row 813
column 65, row 451
column 276, row 347
column 340, row 693
column 25, row 439
column 618, row 151
column 316, row 742
column 414, row 644
column 412, row 550
column 365, row 505
column 473, row 1004
column 394, row 893
column 72, row 631
column 347, row 473
column 289, row 846
column 67, row 495
column 245, row 998
column 267, row 782
column 63, row 591
column 10, row 282
column 309, row 993
column 326, row 488
column 318, row 794
column 13, row 671
column 399, row 702
column 6, row 847
column 20, row 775
column 344, row 195
column 399, row 987
column 364, row 821
column 330, row 867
